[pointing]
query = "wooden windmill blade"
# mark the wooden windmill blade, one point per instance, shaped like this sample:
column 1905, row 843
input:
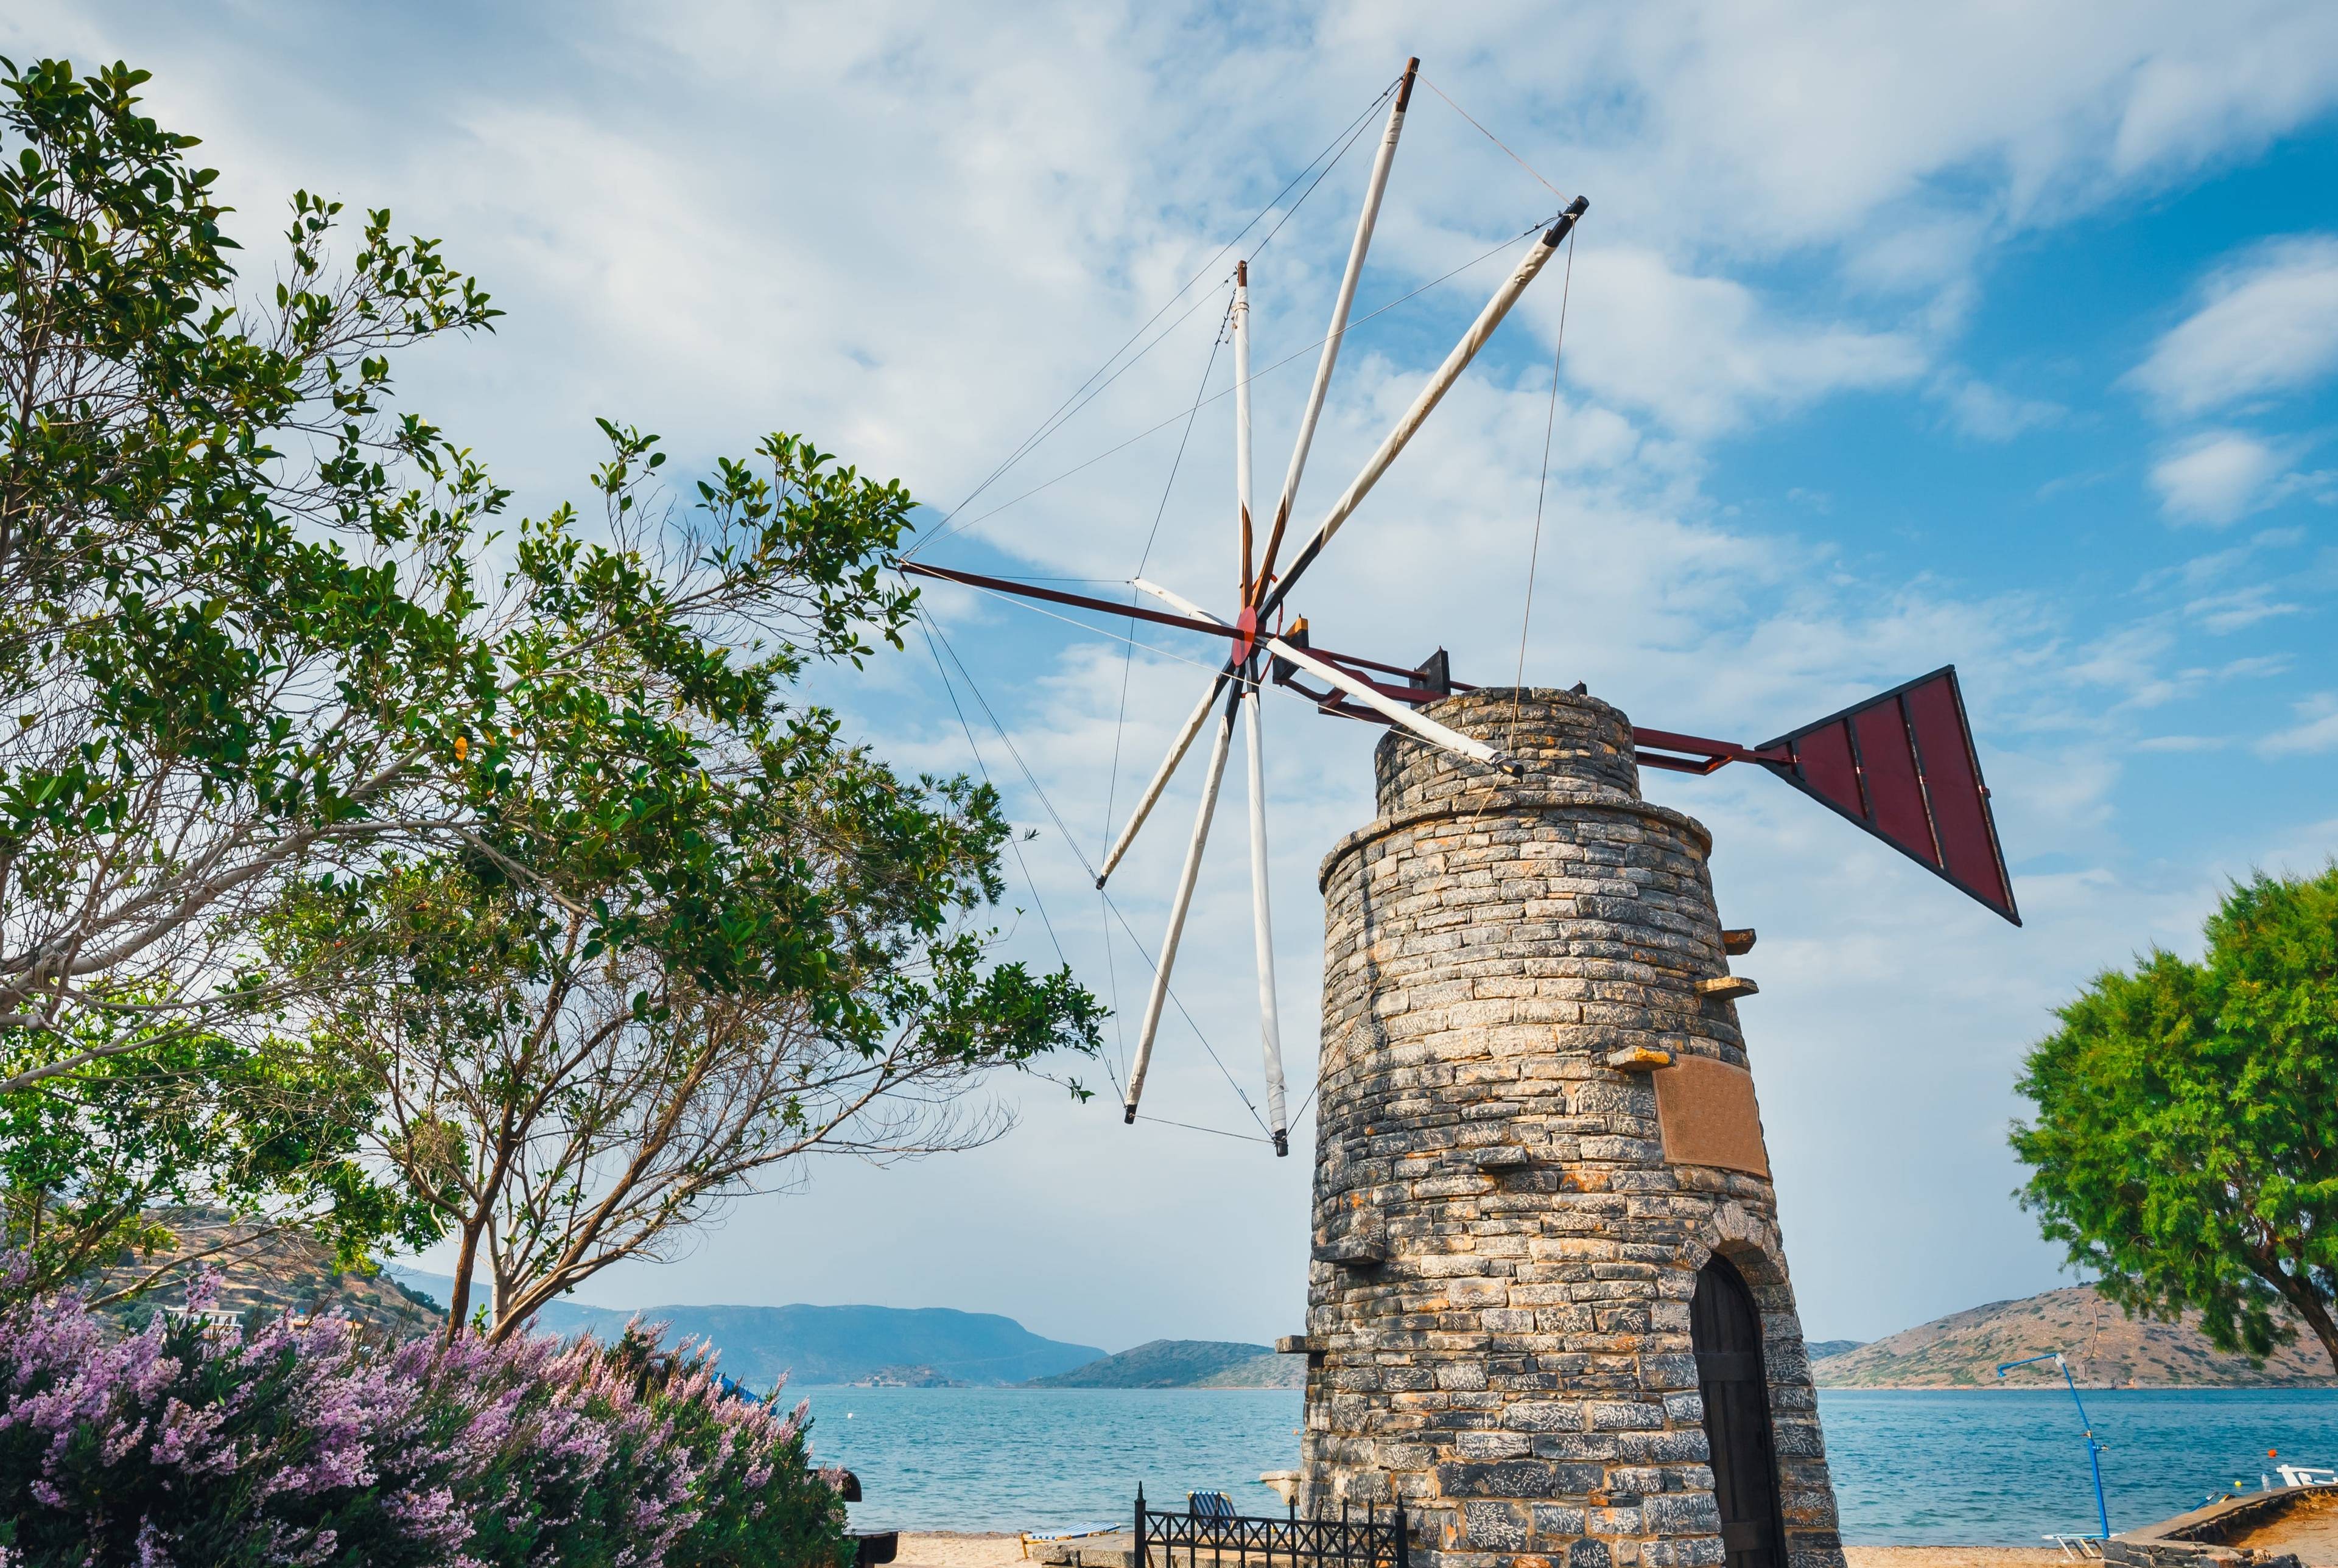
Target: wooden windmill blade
column 1901, row 765
column 1262, row 914
column 1178, row 907
column 1255, row 587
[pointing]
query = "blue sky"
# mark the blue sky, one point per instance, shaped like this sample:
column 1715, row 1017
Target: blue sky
column 1997, row 335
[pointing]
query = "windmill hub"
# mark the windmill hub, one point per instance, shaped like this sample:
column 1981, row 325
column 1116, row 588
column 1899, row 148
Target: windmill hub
column 1548, row 1309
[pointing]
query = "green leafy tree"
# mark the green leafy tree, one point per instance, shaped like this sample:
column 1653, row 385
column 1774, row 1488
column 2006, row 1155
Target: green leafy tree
column 655, row 990
column 253, row 662
column 232, row 581
column 2186, row 1139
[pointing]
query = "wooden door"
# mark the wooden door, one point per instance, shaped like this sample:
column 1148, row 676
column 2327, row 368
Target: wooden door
column 1727, row 1333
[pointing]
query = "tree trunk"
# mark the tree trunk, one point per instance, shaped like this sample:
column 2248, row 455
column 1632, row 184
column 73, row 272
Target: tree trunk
column 458, row 1299
column 2298, row 1290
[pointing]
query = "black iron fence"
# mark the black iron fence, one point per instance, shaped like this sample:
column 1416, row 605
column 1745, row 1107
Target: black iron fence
column 1369, row 1539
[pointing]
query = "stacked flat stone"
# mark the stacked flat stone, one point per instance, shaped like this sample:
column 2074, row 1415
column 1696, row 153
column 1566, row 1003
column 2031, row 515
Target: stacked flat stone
column 1499, row 1304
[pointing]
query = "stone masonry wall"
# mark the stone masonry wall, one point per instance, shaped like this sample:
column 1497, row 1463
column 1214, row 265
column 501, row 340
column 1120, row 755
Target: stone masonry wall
column 1499, row 1304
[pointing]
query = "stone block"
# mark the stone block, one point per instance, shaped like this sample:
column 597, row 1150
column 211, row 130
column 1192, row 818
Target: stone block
column 1555, row 1519
column 1604, row 1415
column 1523, row 1478
column 1496, row 1526
column 1681, row 1514
column 1601, row 1447
column 1493, row 1446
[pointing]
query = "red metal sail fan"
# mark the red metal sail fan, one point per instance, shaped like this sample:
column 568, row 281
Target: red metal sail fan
column 1901, row 765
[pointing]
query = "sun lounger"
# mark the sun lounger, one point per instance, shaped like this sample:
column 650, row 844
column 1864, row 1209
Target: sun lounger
column 1065, row 1532
column 1209, row 1505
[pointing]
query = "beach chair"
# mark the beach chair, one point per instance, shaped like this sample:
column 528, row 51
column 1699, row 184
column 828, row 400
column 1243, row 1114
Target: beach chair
column 1209, row 1505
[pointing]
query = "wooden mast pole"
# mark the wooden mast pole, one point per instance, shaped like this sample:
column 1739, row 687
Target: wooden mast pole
column 1253, row 735
column 1428, row 730
column 1261, row 916
column 1184, row 899
column 1373, row 190
column 1241, row 417
column 1161, row 777
column 1447, row 374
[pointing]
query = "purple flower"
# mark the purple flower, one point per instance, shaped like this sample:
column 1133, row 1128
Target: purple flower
column 265, row 1439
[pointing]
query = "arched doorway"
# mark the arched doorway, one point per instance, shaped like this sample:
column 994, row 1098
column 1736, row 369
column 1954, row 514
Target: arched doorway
column 1725, row 1331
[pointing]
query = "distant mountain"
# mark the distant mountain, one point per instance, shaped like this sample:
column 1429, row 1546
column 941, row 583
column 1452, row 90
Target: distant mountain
column 2105, row 1348
column 1186, row 1364
column 1818, row 1349
column 828, row 1344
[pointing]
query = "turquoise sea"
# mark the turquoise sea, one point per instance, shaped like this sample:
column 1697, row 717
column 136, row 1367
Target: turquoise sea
column 1983, row 1468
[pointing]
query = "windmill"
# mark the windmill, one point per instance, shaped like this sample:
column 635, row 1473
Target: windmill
column 1901, row 765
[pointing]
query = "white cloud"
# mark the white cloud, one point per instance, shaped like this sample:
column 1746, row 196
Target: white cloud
column 2269, row 324
column 2218, row 80
column 2316, row 730
column 1707, row 355
column 2216, row 477
column 2223, row 613
column 1986, row 413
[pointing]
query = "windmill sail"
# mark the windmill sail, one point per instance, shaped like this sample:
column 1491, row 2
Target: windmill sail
column 1901, row 765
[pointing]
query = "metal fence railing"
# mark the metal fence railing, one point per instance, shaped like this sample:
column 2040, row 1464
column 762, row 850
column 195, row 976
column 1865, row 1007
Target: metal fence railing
column 1191, row 1538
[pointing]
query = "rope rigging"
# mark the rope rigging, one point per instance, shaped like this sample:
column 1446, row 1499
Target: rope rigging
column 1128, row 658
column 934, row 634
column 1064, row 411
column 1497, row 141
column 1256, row 375
column 1542, row 487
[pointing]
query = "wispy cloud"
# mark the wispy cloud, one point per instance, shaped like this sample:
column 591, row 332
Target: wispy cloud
column 2316, row 730
column 1986, row 413
column 2269, row 324
column 2223, row 613
column 2216, row 478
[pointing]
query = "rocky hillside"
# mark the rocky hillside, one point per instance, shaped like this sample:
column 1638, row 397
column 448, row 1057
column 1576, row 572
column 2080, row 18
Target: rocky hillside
column 2106, row 1348
column 1186, row 1364
column 264, row 1273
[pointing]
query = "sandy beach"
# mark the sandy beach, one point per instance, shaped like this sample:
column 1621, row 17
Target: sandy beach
column 952, row 1549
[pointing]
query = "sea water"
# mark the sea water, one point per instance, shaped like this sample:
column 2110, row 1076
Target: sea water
column 1911, row 1467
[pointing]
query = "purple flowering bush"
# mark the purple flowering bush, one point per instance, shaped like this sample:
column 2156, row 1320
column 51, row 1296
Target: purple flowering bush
column 194, row 1445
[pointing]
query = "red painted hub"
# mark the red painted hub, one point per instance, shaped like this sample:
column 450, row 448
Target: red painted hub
column 1247, row 624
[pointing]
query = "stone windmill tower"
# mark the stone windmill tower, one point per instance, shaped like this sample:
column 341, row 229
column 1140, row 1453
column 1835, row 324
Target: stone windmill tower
column 1549, row 1310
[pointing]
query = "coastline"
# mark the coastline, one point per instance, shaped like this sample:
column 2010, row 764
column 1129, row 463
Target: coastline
column 2084, row 1388
column 992, row 1549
